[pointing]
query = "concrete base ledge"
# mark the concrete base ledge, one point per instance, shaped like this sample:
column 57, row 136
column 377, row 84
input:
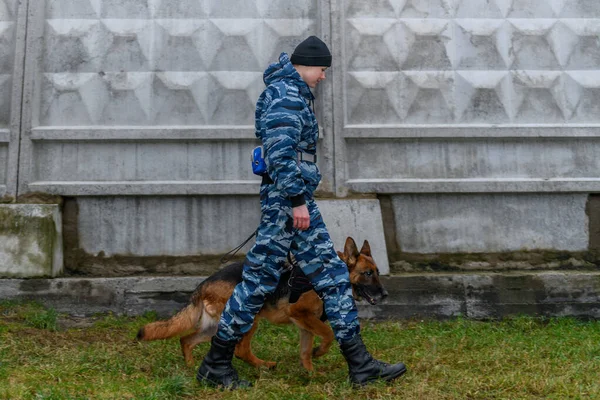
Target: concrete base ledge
column 30, row 240
column 478, row 296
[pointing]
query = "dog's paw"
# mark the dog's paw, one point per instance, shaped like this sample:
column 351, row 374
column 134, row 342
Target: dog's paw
column 190, row 363
column 270, row 364
column 308, row 365
column 318, row 352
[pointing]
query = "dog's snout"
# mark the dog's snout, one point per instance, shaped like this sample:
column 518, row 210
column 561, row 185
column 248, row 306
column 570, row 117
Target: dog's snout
column 384, row 294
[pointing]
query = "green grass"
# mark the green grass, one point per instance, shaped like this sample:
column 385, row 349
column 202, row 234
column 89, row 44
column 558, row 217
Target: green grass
column 44, row 355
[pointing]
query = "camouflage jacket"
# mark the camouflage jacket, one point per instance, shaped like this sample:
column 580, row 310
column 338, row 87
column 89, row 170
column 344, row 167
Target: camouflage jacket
column 286, row 125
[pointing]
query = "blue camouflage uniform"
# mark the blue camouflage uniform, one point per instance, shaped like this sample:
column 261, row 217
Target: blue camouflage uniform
column 287, row 125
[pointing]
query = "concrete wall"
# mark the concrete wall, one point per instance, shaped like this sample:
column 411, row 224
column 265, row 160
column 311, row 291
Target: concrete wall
column 448, row 223
column 151, row 98
column 478, row 122
column 151, row 227
column 473, row 116
column 12, row 42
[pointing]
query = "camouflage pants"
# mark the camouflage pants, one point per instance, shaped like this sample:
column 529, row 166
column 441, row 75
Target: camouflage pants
column 266, row 261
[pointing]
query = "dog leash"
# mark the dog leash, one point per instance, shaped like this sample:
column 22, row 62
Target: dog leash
column 233, row 252
column 229, row 255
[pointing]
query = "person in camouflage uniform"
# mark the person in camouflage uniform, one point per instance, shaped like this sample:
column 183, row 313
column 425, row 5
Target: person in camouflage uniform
column 291, row 221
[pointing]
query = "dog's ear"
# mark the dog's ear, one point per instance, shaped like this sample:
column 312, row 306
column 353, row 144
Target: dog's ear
column 366, row 249
column 341, row 256
column 350, row 251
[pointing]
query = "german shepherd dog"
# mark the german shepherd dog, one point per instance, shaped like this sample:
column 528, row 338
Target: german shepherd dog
column 198, row 321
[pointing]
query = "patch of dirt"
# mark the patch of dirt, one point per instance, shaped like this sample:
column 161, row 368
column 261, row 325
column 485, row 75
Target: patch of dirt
column 68, row 322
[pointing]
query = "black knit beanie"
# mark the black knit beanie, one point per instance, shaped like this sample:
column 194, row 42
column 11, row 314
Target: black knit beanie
column 312, row 52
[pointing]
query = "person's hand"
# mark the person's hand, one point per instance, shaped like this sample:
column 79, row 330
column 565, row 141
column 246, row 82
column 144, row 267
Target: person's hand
column 301, row 217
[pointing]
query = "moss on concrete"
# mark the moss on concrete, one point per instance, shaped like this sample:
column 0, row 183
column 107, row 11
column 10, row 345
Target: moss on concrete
column 85, row 264
column 7, row 199
column 35, row 234
column 495, row 262
column 40, row 198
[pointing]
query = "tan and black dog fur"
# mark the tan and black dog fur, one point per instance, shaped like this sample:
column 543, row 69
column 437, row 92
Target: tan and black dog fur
column 199, row 320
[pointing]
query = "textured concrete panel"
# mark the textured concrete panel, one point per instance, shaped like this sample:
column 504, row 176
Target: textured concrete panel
column 109, row 66
column 145, row 161
column 490, row 223
column 183, row 226
column 30, row 240
column 471, row 65
column 143, row 98
column 473, row 158
column 360, row 219
column 137, row 63
column 494, row 95
column 148, row 98
column 153, row 226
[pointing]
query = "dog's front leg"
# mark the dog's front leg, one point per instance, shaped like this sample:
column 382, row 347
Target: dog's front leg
column 306, row 343
column 315, row 327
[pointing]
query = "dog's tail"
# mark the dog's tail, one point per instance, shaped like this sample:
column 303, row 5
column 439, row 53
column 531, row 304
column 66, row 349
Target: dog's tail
column 181, row 322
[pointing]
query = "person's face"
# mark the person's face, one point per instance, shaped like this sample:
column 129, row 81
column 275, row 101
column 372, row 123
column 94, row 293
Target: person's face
column 311, row 75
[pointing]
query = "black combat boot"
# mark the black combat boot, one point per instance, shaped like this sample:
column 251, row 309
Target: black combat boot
column 363, row 368
column 217, row 370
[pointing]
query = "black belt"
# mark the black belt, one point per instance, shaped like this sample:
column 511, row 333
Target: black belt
column 266, row 180
column 300, row 156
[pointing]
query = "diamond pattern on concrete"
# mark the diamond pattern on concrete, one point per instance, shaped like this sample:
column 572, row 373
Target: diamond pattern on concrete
column 386, row 89
column 588, row 102
column 535, row 94
column 483, row 96
column 80, row 96
column 428, row 8
column 431, row 61
column 140, row 62
column 531, row 44
column 482, row 44
column 471, row 61
column 433, row 100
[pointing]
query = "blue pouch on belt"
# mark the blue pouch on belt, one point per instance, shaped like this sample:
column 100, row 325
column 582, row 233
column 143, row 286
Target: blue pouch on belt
column 259, row 166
